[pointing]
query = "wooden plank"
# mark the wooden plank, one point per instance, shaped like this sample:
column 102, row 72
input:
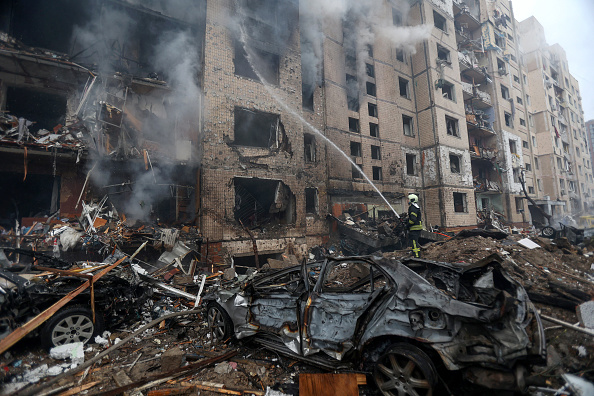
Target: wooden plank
column 170, row 391
column 328, row 385
column 76, row 390
column 178, row 371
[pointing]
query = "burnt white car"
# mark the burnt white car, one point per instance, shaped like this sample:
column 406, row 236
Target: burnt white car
column 408, row 319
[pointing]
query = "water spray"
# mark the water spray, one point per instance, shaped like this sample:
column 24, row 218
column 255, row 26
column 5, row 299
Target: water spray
column 286, row 107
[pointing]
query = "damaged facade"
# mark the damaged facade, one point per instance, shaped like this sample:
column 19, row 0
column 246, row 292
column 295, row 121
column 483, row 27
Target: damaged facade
column 172, row 110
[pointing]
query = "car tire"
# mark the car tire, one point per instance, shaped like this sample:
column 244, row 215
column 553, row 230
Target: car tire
column 548, row 232
column 71, row 324
column 219, row 322
column 405, row 370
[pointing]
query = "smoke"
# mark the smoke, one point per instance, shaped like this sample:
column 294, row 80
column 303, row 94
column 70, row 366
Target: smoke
column 134, row 42
column 364, row 22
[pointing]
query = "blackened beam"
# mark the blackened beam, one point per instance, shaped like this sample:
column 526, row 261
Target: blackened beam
column 31, row 325
column 31, row 253
column 176, row 372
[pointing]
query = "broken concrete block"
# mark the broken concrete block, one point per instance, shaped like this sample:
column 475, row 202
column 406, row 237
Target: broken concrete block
column 172, row 359
column 278, row 264
column 229, row 274
column 223, row 368
column 290, row 260
column 74, row 352
column 585, row 314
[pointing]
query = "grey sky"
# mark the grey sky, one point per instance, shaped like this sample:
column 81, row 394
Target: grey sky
column 571, row 24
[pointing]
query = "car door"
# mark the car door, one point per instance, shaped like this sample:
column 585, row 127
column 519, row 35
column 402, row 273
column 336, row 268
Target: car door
column 274, row 306
column 341, row 296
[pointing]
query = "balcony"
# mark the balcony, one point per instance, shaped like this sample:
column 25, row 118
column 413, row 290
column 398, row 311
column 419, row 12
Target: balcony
column 479, row 99
column 470, row 69
column 486, row 186
column 476, row 124
column 485, row 153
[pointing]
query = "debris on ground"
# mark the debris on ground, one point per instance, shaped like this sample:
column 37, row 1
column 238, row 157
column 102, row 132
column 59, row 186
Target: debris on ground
column 170, row 276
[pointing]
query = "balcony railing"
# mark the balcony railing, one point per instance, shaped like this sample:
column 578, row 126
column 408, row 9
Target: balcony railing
column 485, row 185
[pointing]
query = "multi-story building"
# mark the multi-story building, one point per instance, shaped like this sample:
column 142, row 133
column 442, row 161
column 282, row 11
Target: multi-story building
column 225, row 114
column 563, row 149
column 590, row 140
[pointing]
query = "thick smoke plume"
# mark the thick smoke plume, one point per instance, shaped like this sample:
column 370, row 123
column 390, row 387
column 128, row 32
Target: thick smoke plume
column 366, row 22
column 135, row 43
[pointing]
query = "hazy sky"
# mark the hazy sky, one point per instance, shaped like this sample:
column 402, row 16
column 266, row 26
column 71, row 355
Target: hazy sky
column 571, row 24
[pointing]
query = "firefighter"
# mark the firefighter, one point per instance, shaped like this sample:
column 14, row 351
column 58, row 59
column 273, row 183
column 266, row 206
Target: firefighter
column 414, row 224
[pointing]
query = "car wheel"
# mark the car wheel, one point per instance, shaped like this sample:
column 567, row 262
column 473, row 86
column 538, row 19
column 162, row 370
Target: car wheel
column 548, row 232
column 71, row 324
column 405, row 370
column 219, row 322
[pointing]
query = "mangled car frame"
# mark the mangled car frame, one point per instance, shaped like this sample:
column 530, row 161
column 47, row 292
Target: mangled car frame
column 403, row 319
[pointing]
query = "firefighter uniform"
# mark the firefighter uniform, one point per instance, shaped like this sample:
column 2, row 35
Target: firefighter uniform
column 415, row 225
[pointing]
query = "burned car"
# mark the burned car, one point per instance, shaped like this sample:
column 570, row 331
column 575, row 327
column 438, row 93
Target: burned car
column 26, row 291
column 405, row 318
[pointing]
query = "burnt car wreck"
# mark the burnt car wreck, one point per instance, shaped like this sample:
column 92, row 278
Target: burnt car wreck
column 27, row 291
column 402, row 319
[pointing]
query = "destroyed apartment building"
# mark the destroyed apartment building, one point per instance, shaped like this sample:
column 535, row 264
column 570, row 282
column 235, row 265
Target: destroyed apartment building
column 181, row 175
column 223, row 115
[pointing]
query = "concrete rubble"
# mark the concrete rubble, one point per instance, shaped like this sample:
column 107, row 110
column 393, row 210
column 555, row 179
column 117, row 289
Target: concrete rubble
column 166, row 182
column 557, row 276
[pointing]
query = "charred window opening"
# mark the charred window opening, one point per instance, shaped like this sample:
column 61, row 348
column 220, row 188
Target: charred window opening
column 443, row 54
column 460, row 203
column 309, row 147
column 357, row 171
column 447, row 90
column 371, row 89
column 519, row 204
column 265, row 62
column 439, row 21
column 370, row 70
column 411, row 160
column 376, row 152
column 355, row 149
column 508, row 119
column 372, row 109
column 255, row 128
column 373, row 129
column 452, row 126
column 262, row 201
column 407, row 123
column 454, row 163
column 396, row 17
column 36, row 196
column 307, row 96
column 311, row 200
column 352, row 88
column 377, row 172
column 354, row 125
column 44, row 109
column 400, row 55
column 403, row 87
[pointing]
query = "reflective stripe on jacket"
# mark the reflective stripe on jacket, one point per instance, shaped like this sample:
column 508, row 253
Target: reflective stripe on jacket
column 414, row 217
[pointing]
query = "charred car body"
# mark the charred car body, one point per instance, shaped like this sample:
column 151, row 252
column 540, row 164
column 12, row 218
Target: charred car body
column 24, row 294
column 406, row 317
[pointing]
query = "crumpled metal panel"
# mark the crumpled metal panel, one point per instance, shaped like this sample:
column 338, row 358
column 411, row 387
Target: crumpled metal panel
column 455, row 309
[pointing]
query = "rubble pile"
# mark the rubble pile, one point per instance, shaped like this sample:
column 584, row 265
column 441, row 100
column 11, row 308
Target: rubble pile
column 14, row 130
column 558, row 277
